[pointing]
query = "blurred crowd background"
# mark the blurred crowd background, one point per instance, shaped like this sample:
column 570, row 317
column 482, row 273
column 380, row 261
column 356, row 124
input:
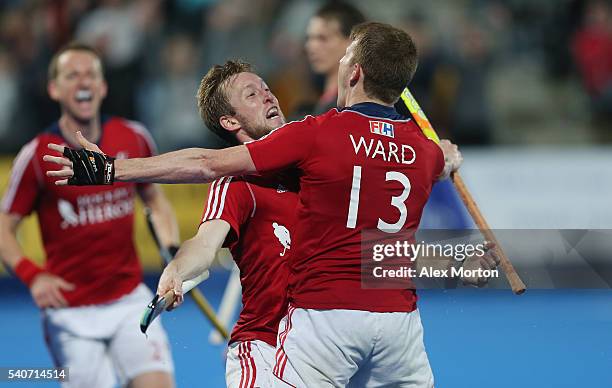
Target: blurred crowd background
column 491, row 72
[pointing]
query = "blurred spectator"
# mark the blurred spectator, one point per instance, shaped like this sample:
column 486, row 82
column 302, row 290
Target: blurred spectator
column 117, row 29
column 25, row 34
column 451, row 84
column 327, row 37
column 592, row 50
column 240, row 29
column 291, row 82
column 167, row 102
column 430, row 85
column 8, row 98
column 560, row 28
column 185, row 16
column 471, row 116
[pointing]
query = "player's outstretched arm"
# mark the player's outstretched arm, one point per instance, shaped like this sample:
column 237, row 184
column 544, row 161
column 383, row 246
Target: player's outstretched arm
column 194, row 257
column 89, row 166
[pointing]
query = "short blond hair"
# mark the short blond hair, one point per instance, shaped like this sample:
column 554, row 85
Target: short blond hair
column 53, row 70
column 213, row 101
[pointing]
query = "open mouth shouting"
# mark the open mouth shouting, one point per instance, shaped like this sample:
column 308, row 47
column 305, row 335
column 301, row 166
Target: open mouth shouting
column 273, row 113
column 83, row 95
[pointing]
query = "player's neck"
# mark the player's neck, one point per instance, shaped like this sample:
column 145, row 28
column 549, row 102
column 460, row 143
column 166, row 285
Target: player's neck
column 359, row 96
column 243, row 137
column 356, row 94
column 69, row 127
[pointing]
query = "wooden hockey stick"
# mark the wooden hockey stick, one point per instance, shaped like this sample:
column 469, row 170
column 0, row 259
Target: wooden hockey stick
column 161, row 302
column 518, row 287
column 197, row 296
column 229, row 302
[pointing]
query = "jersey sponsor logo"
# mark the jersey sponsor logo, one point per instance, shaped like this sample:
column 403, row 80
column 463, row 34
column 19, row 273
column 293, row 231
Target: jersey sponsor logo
column 96, row 208
column 283, row 236
column 66, row 211
column 382, row 128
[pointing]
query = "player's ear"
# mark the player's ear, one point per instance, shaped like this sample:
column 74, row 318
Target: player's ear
column 230, row 123
column 52, row 90
column 356, row 74
column 104, row 89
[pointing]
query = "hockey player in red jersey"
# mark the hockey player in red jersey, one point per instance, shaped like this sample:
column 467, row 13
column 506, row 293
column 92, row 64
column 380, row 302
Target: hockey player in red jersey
column 90, row 288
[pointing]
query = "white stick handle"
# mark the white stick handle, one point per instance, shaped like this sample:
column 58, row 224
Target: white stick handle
column 191, row 283
column 229, row 302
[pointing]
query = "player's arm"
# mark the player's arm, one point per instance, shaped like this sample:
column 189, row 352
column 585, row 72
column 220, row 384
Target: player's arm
column 10, row 250
column 162, row 215
column 274, row 152
column 195, row 256
column 44, row 287
column 193, row 165
column 90, row 166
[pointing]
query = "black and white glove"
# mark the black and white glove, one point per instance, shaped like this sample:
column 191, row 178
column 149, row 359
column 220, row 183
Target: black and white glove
column 90, row 168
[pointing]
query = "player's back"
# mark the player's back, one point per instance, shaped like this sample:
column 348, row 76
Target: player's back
column 367, row 169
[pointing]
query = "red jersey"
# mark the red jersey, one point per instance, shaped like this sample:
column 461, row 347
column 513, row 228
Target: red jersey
column 260, row 212
column 87, row 231
column 360, row 168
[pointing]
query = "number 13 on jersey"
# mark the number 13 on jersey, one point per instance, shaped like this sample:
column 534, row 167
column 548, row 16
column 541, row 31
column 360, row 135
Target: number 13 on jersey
column 397, row 202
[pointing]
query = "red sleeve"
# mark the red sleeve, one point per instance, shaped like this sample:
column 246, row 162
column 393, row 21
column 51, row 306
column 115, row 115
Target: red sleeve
column 230, row 200
column 284, row 147
column 439, row 160
column 25, row 182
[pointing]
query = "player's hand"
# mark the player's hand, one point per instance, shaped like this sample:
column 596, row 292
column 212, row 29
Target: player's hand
column 488, row 261
column 87, row 166
column 170, row 280
column 46, row 290
column 452, row 158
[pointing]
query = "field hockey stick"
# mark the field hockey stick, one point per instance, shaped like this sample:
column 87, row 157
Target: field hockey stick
column 518, row 287
column 161, row 303
column 229, row 302
column 195, row 294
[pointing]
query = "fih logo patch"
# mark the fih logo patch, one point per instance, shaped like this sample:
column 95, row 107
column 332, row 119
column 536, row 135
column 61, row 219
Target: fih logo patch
column 382, row 128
